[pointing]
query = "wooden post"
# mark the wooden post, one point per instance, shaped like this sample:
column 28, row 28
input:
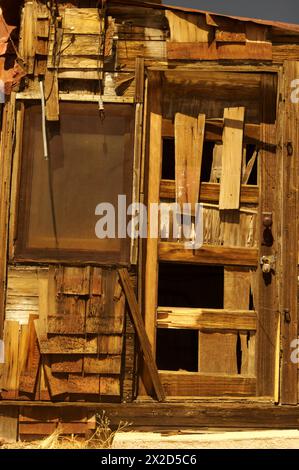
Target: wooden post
column 289, row 231
column 6, row 149
column 266, row 298
column 154, row 178
column 154, row 170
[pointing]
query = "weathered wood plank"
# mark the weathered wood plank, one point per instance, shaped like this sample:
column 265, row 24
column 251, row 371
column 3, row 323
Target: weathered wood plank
column 154, row 178
column 176, row 252
column 109, row 386
column 189, row 135
column 266, row 295
column 209, row 192
column 102, row 365
column 232, row 152
column 52, row 95
column 197, row 384
column 9, row 370
column 62, row 364
column 70, row 316
column 74, row 280
column 209, row 51
column 289, row 243
column 206, row 319
column 84, row 385
column 29, row 373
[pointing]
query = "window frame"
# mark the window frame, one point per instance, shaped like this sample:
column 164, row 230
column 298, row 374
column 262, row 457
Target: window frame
column 18, row 249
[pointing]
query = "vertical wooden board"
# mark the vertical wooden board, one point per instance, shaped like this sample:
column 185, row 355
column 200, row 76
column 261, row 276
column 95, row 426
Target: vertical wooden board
column 110, row 344
column 28, row 35
column 217, row 352
column 9, row 378
column 237, row 283
column 236, row 288
column 43, row 299
column 290, row 206
column 139, row 80
column 52, row 292
column 266, row 293
column 52, row 95
column 9, row 424
column 188, row 27
column 154, row 178
column 23, row 346
column 6, row 149
column 96, row 287
column 109, row 386
column 232, row 158
column 44, row 394
column 189, row 137
column 29, row 372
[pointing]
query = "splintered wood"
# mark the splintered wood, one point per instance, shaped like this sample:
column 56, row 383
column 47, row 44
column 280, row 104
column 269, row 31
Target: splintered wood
column 232, row 153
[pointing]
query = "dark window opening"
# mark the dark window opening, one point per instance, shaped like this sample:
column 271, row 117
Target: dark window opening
column 177, row 349
column 239, row 354
column 250, row 152
column 184, row 285
column 207, row 162
column 251, row 303
column 168, row 161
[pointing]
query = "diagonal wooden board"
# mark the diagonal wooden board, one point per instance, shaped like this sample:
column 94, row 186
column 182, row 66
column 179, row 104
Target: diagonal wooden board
column 232, row 153
column 141, row 332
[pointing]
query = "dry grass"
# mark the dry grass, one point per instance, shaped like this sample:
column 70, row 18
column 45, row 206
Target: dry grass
column 101, row 439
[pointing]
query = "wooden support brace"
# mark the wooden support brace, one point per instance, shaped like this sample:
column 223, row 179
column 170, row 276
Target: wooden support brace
column 140, row 330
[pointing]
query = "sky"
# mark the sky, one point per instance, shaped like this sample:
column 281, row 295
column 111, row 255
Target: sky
column 277, row 10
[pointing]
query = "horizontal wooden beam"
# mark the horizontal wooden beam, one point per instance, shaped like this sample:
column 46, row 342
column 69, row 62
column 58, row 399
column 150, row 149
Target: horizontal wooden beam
column 211, row 51
column 206, row 319
column 78, row 97
column 214, row 129
column 177, row 253
column 197, row 384
column 209, row 192
column 239, row 412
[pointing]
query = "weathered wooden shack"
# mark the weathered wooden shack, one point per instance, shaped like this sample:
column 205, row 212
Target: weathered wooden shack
column 159, row 104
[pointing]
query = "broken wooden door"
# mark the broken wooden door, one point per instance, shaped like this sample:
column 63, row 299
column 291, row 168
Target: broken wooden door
column 211, row 312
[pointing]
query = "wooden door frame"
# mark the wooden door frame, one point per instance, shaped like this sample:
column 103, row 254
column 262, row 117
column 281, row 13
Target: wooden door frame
column 270, row 369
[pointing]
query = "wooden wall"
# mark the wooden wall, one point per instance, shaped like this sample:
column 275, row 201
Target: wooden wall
column 54, row 342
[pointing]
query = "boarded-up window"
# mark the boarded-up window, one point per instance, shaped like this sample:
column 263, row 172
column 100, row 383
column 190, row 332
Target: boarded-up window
column 90, row 162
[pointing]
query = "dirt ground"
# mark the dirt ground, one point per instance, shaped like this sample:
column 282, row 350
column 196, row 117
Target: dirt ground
column 281, row 439
column 276, row 439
